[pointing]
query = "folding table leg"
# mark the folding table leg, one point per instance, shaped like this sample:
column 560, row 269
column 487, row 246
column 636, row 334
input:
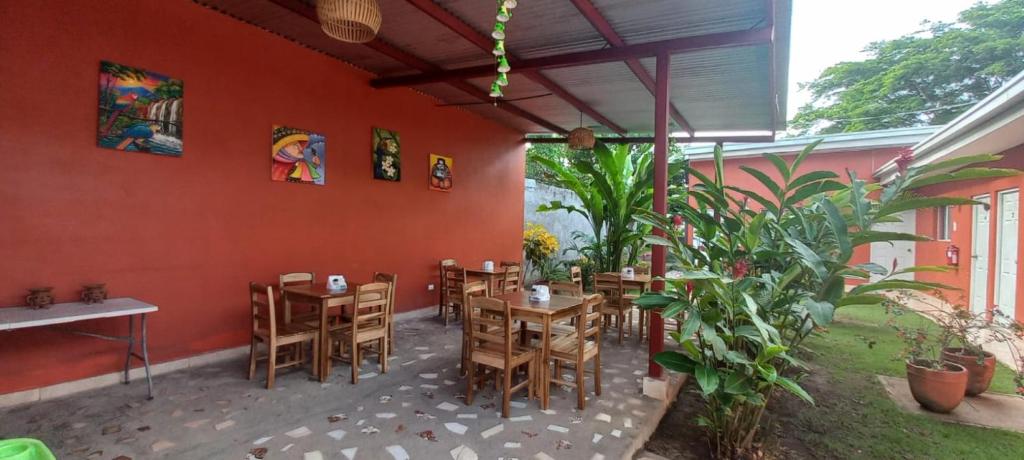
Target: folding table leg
column 145, row 357
column 131, row 348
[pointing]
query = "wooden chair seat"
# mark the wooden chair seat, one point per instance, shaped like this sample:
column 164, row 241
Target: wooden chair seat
column 493, row 355
column 285, row 331
column 556, row 329
column 566, row 347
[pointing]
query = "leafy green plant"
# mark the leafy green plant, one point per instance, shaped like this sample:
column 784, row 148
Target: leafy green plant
column 612, row 186
column 764, row 279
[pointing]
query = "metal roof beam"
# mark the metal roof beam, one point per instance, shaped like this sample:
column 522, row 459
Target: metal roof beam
column 596, row 19
column 486, row 44
column 309, row 12
column 637, row 51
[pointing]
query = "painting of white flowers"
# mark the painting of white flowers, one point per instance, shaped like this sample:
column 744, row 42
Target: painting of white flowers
column 387, row 162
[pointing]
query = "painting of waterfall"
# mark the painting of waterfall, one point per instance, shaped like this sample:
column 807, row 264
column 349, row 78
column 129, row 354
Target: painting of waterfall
column 139, row 111
column 298, row 156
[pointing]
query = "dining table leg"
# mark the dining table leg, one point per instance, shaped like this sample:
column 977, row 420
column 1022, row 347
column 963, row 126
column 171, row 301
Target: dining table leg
column 545, row 358
column 325, row 340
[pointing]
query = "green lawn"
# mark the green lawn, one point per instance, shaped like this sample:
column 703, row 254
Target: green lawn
column 855, row 418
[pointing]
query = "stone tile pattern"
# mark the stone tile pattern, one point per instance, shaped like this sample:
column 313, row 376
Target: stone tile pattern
column 215, row 412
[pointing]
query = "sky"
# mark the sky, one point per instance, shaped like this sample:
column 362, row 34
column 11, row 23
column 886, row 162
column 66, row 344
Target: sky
column 827, row 32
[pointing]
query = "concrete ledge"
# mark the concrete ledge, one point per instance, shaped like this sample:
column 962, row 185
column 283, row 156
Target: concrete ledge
column 104, row 380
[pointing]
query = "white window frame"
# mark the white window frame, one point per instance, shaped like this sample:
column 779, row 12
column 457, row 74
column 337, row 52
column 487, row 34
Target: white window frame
column 944, row 223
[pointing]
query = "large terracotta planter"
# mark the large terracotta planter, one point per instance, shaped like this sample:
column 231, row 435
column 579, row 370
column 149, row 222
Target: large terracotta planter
column 937, row 390
column 979, row 376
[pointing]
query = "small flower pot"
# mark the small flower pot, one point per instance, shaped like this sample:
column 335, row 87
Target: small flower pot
column 937, row 390
column 94, row 293
column 41, row 297
column 979, row 375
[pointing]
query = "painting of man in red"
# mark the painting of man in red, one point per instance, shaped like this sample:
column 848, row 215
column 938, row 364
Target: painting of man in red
column 298, row 156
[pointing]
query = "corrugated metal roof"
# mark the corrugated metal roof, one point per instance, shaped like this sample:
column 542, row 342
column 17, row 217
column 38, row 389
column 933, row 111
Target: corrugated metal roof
column 722, row 89
column 863, row 140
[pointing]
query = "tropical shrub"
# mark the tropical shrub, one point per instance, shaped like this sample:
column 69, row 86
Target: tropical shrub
column 612, row 186
column 539, row 246
column 765, row 278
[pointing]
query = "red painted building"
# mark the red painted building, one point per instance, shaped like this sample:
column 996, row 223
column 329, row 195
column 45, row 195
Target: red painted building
column 860, row 153
column 986, row 238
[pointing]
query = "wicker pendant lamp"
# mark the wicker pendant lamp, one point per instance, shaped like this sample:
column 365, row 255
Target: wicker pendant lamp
column 353, row 21
column 581, row 138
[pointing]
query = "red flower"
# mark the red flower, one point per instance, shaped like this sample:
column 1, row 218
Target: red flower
column 689, row 287
column 677, row 220
column 903, row 159
column 740, row 268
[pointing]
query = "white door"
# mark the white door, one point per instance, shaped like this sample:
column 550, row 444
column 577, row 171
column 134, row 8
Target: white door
column 901, row 251
column 1006, row 247
column 979, row 255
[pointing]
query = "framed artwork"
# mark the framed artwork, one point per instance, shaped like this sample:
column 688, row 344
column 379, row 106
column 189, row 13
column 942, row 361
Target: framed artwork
column 387, row 162
column 298, row 156
column 139, row 111
column 441, row 173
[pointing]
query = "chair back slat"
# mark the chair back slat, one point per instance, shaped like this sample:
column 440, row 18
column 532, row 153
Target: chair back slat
column 370, row 309
column 454, row 278
column 512, row 281
column 296, row 278
column 565, row 288
column 610, row 285
column 392, row 280
column 642, row 270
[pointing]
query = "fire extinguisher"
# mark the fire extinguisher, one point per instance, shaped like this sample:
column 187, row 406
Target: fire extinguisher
column 953, row 255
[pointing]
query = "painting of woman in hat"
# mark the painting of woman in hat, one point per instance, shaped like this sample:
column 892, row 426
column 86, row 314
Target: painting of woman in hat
column 298, row 156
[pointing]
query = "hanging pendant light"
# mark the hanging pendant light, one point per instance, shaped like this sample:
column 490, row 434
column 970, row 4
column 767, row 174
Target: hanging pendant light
column 581, row 138
column 502, row 79
column 510, row 4
column 499, row 48
column 353, row 21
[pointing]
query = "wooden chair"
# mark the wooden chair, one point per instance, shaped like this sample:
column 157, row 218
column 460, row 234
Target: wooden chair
column 454, row 279
column 614, row 305
column 512, row 281
column 392, row 279
column 492, row 345
column 469, row 289
column 576, row 275
column 296, row 279
column 581, row 345
column 643, row 316
column 369, row 325
column 442, row 288
column 265, row 329
column 565, row 288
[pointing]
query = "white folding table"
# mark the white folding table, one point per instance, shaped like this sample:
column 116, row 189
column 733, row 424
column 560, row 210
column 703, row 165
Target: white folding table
column 24, row 317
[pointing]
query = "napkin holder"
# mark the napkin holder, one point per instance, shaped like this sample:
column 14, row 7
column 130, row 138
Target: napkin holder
column 336, row 283
column 489, row 265
column 628, row 273
column 540, row 293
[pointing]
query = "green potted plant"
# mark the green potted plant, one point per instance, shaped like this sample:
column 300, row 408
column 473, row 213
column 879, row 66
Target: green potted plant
column 936, row 384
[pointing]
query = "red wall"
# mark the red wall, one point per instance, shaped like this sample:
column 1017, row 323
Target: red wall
column 863, row 162
column 189, row 233
column 934, row 252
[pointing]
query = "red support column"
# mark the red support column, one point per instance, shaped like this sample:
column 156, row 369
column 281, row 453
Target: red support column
column 661, row 109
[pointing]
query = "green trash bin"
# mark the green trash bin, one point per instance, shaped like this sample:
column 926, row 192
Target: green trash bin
column 24, row 449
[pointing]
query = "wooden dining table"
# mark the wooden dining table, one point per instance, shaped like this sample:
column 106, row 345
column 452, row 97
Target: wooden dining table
column 636, row 282
column 487, row 275
column 318, row 296
column 559, row 307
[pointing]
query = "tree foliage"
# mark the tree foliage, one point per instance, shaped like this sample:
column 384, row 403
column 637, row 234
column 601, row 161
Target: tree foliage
column 924, row 78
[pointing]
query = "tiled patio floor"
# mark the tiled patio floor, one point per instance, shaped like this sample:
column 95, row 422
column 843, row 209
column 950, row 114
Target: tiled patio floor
column 414, row 411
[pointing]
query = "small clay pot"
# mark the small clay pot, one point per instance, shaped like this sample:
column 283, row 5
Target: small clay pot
column 40, row 297
column 979, row 375
column 937, row 390
column 94, row 293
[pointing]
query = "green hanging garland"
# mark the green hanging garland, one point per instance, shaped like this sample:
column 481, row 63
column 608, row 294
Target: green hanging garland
column 503, row 15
